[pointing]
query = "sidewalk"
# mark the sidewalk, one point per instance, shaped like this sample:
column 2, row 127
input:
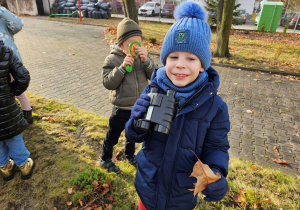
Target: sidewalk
column 65, row 62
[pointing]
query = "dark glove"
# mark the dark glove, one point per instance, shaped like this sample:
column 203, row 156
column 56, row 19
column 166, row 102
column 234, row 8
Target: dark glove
column 216, row 191
column 140, row 106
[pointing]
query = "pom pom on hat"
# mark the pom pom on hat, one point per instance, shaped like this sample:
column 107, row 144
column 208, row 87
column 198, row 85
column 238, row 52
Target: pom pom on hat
column 190, row 33
column 190, row 9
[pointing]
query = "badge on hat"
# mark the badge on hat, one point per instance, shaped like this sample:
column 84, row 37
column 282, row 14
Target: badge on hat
column 182, row 36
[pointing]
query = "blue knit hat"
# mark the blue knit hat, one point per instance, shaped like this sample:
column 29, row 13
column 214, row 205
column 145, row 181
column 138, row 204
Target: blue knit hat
column 190, row 33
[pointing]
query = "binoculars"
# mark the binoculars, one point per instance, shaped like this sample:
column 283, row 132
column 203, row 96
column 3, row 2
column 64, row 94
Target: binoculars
column 159, row 115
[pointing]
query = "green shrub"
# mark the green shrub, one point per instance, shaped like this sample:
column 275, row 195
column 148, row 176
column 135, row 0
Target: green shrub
column 89, row 183
column 285, row 28
column 262, row 27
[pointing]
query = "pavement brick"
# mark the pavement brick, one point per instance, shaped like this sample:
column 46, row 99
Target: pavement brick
column 259, row 150
column 247, row 151
column 65, row 62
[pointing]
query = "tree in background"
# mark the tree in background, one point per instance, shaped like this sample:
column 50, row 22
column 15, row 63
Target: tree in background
column 290, row 5
column 131, row 10
column 224, row 21
column 212, row 8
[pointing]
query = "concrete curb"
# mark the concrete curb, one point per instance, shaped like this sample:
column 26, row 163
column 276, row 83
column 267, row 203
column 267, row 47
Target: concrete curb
column 251, row 69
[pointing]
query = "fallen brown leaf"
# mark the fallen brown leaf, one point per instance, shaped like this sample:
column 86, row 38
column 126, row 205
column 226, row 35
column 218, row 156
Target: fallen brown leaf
column 81, row 202
column 267, row 200
column 106, row 190
column 70, row 191
column 69, row 203
column 242, row 191
column 110, row 198
column 239, row 199
column 280, row 161
column 256, row 206
column 204, row 176
column 105, row 185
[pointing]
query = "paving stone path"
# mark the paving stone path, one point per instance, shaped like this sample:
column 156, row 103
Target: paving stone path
column 65, row 63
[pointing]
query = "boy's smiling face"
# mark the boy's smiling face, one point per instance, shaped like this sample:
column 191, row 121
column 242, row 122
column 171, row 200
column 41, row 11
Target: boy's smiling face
column 125, row 45
column 182, row 68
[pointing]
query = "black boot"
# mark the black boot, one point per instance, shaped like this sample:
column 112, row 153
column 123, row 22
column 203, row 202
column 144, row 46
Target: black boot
column 28, row 116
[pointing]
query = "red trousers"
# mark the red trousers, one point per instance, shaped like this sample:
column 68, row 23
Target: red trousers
column 141, row 205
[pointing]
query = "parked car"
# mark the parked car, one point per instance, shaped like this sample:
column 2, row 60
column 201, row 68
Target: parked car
column 240, row 17
column 168, row 10
column 295, row 20
column 150, row 8
column 288, row 16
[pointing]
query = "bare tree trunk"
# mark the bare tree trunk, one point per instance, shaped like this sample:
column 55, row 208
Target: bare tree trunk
column 131, row 10
column 219, row 21
column 223, row 38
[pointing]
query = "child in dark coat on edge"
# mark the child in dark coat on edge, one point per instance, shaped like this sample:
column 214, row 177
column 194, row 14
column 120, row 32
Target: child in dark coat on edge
column 125, row 87
column 12, row 122
column 200, row 123
column 9, row 26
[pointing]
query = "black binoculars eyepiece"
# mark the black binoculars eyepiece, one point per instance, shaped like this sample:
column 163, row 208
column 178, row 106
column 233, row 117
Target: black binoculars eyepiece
column 159, row 115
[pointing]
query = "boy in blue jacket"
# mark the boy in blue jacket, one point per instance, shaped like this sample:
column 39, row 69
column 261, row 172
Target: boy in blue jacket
column 200, row 123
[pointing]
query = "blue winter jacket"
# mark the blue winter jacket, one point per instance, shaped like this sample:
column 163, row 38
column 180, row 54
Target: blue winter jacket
column 165, row 162
column 9, row 26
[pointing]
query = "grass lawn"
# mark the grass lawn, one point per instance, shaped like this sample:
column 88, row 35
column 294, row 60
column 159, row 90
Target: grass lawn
column 66, row 143
column 268, row 51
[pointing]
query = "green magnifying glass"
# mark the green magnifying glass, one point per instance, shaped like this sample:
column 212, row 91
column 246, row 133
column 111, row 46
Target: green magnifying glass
column 129, row 67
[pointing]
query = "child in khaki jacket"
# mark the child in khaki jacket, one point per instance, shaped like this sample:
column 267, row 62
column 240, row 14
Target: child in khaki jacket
column 125, row 87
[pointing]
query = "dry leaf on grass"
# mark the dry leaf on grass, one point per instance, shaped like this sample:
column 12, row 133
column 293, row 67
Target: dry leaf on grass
column 204, row 176
column 81, row 202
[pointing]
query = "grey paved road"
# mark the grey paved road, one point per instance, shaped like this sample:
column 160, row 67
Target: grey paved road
column 65, row 62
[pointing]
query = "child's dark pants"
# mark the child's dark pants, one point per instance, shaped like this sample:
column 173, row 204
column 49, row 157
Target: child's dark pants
column 117, row 123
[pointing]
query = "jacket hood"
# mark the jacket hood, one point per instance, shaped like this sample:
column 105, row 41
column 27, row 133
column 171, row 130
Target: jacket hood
column 114, row 49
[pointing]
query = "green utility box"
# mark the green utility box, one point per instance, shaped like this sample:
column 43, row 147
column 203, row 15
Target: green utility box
column 270, row 15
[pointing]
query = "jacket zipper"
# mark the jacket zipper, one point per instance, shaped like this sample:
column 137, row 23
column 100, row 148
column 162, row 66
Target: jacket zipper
column 136, row 83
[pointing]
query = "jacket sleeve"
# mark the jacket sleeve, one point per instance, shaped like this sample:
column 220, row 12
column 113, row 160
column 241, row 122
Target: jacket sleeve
column 216, row 145
column 20, row 74
column 149, row 67
column 14, row 23
column 132, row 135
column 112, row 75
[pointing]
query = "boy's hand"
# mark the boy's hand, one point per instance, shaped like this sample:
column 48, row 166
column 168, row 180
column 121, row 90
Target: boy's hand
column 140, row 106
column 216, row 191
column 128, row 60
column 142, row 52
